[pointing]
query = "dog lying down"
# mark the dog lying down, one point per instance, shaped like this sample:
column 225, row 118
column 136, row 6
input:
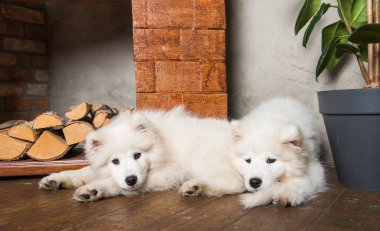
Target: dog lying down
column 147, row 151
column 277, row 146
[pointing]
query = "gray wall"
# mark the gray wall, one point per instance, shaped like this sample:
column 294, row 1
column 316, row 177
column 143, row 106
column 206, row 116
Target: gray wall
column 90, row 54
column 266, row 59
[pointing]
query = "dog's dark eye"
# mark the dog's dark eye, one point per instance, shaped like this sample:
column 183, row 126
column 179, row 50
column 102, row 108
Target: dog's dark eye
column 115, row 161
column 136, row 155
column 248, row 161
column 271, row 160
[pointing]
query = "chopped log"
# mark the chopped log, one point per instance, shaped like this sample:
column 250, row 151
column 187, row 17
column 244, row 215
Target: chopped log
column 11, row 148
column 23, row 131
column 10, row 123
column 76, row 131
column 128, row 110
column 78, row 112
column 97, row 107
column 101, row 116
column 48, row 120
column 106, row 122
column 49, row 146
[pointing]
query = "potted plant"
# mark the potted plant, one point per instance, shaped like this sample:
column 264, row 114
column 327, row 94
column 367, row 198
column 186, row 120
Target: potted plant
column 352, row 117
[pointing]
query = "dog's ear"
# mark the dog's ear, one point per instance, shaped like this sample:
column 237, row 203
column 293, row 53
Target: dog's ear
column 141, row 123
column 291, row 137
column 93, row 142
column 236, row 130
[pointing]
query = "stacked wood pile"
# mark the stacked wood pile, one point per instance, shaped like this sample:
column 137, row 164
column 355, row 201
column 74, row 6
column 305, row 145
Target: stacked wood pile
column 50, row 136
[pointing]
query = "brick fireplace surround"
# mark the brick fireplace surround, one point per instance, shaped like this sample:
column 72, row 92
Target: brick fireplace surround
column 24, row 88
column 179, row 55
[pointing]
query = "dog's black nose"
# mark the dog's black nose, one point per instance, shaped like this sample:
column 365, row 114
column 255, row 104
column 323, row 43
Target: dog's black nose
column 255, row 182
column 131, row 180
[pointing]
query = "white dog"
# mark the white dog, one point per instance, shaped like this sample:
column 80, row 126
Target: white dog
column 148, row 151
column 277, row 146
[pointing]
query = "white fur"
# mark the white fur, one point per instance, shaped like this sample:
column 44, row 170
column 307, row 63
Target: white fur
column 282, row 130
column 177, row 150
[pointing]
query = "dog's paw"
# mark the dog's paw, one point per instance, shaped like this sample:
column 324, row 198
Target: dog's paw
column 190, row 189
column 87, row 194
column 250, row 200
column 54, row 182
column 287, row 198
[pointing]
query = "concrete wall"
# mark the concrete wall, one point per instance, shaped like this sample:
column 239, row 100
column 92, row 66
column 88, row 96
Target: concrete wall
column 90, row 54
column 265, row 58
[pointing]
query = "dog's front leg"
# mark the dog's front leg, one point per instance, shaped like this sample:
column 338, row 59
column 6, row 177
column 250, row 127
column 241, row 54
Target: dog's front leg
column 294, row 192
column 98, row 189
column 212, row 186
column 67, row 179
column 258, row 198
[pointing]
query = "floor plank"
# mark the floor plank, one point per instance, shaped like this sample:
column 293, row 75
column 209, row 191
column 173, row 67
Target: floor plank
column 25, row 207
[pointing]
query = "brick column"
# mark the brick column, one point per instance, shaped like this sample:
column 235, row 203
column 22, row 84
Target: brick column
column 24, row 79
column 179, row 54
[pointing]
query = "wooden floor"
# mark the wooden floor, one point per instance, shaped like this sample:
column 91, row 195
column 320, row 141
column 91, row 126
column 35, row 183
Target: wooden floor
column 24, row 207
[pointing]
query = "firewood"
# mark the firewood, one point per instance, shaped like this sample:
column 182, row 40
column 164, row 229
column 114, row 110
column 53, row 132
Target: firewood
column 49, row 146
column 78, row 112
column 48, row 120
column 128, row 110
column 97, row 107
column 101, row 116
column 23, row 131
column 10, row 123
column 76, row 131
column 11, row 148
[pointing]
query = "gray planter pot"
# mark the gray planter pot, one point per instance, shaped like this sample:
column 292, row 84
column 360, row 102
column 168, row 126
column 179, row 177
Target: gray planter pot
column 352, row 120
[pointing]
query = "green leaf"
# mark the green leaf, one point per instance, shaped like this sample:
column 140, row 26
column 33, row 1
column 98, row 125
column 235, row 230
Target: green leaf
column 369, row 33
column 327, row 54
column 309, row 8
column 322, row 10
column 364, row 52
column 355, row 12
column 330, row 32
column 344, row 48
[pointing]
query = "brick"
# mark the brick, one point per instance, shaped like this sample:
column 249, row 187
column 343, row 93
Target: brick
column 37, row 89
column 41, row 104
column 25, row 60
column 176, row 76
column 158, row 100
column 7, row 59
column 213, row 77
column 210, row 14
column 16, row 74
column 22, row 14
column 11, row 89
column 170, row 13
column 35, row 32
column 203, row 45
column 12, row 116
column 16, row 105
column 24, row 45
column 145, row 78
column 155, row 44
column 39, row 61
column 140, row 13
column 32, row 116
column 41, row 76
column 11, row 29
column 206, row 105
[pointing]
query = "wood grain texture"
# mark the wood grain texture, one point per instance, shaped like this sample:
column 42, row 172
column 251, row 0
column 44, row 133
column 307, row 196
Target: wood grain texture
column 27, row 167
column 26, row 207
